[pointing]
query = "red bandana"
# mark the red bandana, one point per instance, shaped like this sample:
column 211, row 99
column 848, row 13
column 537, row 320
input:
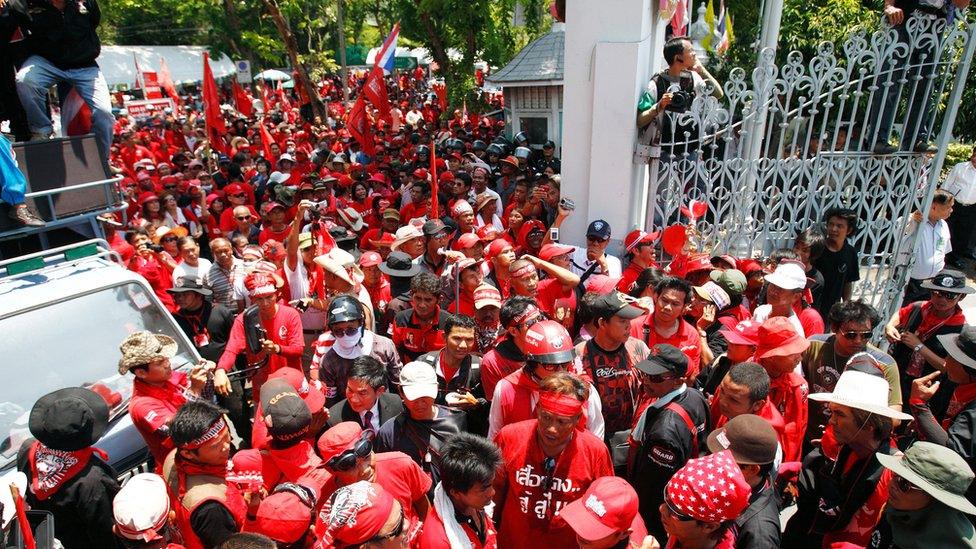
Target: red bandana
column 50, row 469
column 560, row 405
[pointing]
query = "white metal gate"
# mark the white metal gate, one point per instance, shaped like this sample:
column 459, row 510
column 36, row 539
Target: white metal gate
column 788, row 142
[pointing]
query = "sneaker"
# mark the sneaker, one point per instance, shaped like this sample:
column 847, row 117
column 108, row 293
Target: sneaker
column 25, row 217
column 883, row 148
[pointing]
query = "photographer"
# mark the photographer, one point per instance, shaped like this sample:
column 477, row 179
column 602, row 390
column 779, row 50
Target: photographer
column 673, row 90
column 305, row 282
column 154, row 264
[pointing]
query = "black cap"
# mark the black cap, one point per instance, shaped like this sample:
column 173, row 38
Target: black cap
column 188, row 284
column 948, row 280
column 399, row 264
column 290, row 417
column 664, row 359
column 433, row 226
column 599, row 228
column 69, row 419
column 616, row 304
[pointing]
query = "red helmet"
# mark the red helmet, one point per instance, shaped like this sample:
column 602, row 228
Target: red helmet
column 548, row 342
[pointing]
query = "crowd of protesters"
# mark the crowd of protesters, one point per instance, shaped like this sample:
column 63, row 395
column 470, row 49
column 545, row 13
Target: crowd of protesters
column 399, row 352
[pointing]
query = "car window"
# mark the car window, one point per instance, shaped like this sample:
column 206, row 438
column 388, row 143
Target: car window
column 72, row 343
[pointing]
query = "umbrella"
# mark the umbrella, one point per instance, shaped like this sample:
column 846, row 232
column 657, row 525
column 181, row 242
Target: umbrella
column 272, row 74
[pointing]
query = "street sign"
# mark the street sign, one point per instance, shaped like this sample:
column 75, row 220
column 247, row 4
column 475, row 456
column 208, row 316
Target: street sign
column 243, row 71
column 405, row 63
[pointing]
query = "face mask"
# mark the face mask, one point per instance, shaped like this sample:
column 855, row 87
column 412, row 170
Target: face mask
column 347, row 342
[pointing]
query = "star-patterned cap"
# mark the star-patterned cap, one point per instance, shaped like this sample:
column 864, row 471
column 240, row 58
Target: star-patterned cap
column 709, row 489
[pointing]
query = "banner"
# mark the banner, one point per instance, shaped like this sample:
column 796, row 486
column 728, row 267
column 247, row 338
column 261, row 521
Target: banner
column 147, row 107
column 151, row 87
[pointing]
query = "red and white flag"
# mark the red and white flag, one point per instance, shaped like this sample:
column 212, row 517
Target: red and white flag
column 76, row 116
column 166, row 81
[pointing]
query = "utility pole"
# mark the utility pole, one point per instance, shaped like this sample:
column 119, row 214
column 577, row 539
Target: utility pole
column 342, row 54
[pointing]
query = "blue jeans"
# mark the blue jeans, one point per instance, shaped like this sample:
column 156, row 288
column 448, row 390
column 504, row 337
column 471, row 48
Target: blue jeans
column 37, row 75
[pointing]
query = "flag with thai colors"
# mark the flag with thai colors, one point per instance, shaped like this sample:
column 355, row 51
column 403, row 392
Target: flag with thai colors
column 387, row 55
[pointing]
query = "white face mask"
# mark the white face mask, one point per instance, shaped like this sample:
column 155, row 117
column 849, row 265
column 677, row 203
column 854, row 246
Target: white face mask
column 347, row 342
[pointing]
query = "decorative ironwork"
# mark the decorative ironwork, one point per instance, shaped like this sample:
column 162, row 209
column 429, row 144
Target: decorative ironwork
column 788, row 142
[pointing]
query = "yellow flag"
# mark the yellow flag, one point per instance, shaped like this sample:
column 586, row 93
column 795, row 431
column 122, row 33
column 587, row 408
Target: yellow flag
column 710, row 19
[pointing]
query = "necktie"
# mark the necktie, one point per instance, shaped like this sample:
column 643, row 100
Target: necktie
column 368, row 420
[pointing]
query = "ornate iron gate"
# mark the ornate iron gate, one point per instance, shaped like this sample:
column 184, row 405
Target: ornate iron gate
column 788, row 142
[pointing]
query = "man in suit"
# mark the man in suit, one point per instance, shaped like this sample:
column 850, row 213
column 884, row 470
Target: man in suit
column 367, row 402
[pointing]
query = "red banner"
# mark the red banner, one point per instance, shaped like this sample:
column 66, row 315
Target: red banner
column 211, row 107
column 242, row 100
column 358, row 125
column 375, row 90
column 150, row 84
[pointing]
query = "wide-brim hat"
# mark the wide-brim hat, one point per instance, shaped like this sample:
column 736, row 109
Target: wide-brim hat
column 180, row 231
column 862, row 391
column 961, row 346
column 352, row 218
column 399, row 264
column 937, row 461
column 334, row 266
column 144, row 347
column 190, row 285
column 948, row 280
column 404, row 234
column 69, row 419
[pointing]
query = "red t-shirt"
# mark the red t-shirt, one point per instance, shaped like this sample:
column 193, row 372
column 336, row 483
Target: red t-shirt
column 548, row 291
column 267, row 234
column 228, row 223
column 686, row 338
column 411, row 211
column 397, row 474
column 498, row 363
column 433, row 535
column 526, row 506
column 151, row 409
column 788, row 393
column 285, row 329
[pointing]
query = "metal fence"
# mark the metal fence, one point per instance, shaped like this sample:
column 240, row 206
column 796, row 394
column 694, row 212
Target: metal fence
column 788, row 142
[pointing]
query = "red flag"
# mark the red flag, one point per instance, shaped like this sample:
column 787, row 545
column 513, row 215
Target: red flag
column 242, row 100
column 358, row 125
column 76, row 117
column 166, row 81
column 441, row 91
column 265, row 98
column 324, row 241
column 375, row 90
column 266, row 141
column 211, row 108
column 25, row 527
column 433, row 184
column 283, row 97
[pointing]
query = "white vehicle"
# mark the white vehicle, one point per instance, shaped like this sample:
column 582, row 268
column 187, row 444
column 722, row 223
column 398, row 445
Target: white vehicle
column 63, row 314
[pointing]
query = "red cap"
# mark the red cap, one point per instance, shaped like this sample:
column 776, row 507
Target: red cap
column 420, row 173
column 267, row 207
column 246, row 468
column 314, row 398
column 273, row 250
column 530, row 225
column 446, row 176
column 550, row 251
column 748, row 266
column 778, row 337
column 607, row 507
column 673, row 239
column 259, row 285
column 637, row 237
column 496, row 248
column 354, row 514
column 370, row 259
column 742, row 333
column 147, row 197
column 465, row 241
column 698, row 262
column 233, row 188
column 602, row 284
column 339, row 438
column 283, row 517
column 488, row 232
column 709, row 489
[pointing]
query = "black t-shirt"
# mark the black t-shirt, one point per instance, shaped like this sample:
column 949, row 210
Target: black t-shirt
column 926, row 6
column 838, row 268
column 213, row 523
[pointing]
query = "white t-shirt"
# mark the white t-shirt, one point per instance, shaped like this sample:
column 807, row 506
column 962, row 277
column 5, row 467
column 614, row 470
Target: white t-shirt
column 184, row 271
column 580, row 264
column 931, row 247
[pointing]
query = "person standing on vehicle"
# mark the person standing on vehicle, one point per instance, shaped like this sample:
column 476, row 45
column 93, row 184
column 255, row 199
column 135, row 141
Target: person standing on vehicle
column 157, row 391
column 66, row 474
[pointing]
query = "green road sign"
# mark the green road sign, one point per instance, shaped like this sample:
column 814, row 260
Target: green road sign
column 405, row 63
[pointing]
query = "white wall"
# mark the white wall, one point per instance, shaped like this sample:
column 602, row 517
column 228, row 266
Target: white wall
column 610, row 48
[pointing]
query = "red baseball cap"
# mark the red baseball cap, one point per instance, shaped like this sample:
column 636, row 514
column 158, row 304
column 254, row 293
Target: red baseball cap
column 550, row 251
column 637, row 237
column 355, row 513
column 465, row 241
column 607, row 507
column 370, row 259
column 339, row 438
column 233, row 188
column 314, row 398
column 742, row 333
column 246, row 469
column 420, row 173
column 709, row 489
column 602, row 284
column 488, row 232
column 699, row 262
column 283, row 517
column 748, row 266
column 778, row 337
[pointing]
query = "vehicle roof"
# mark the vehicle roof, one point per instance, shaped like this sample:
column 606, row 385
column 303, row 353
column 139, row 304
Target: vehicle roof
column 61, row 281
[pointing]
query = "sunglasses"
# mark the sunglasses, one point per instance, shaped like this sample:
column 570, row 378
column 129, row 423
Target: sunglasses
column 946, row 295
column 169, row 186
column 903, row 484
column 348, row 459
column 553, row 367
column 242, row 195
column 596, row 239
column 340, row 332
column 168, row 239
column 395, row 533
column 549, row 466
column 676, row 513
column 855, row 335
column 243, row 217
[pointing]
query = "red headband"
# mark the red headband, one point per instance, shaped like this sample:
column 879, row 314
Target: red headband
column 560, row 404
column 213, row 432
column 530, row 312
column 524, row 271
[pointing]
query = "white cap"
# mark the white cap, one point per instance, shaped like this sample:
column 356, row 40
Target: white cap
column 141, row 507
column 418, row 380
column 286, row 156
column 788, row 275
column 278, row 177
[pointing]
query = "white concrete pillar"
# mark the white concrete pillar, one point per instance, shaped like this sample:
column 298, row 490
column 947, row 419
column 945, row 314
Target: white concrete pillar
column 612, row 48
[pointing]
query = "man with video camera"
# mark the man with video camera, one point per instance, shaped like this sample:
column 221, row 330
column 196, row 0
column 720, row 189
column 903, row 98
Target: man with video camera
column 673, row 90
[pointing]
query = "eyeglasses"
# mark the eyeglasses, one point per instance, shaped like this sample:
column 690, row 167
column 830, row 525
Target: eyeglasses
column 855, row 335
column 348, row 459
column 168, row 239
column 340, row 332
column 395, row 533
column 676, row 513
column 903, row 484
column 242, row 195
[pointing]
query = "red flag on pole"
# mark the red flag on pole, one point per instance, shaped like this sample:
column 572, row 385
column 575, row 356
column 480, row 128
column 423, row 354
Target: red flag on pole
column 76, row 117
column 166, row 81
column 242, row 100
column 138, row 72
column 433, row 184
column 266, row 141
column 22, row 522
column 441, row 91
column 211, row 108
column 283, row 97
column 358, row 125
column 375, row 90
